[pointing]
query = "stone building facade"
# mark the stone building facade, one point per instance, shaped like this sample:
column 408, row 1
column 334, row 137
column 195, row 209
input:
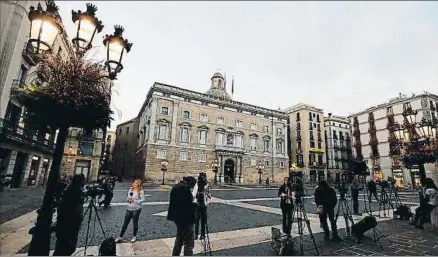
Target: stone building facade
column 124, row 149
column 25, row 153
column 191, row 129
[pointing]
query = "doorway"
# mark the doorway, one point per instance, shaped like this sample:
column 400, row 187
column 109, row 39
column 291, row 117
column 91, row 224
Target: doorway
column 17, row 175
column 83, row 167
column 31, row 181
column 229, row 174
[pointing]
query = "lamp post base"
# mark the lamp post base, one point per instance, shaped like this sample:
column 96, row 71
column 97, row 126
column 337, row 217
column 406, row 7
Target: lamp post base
column 260, row 178
column 163, row 178
column 215, row 178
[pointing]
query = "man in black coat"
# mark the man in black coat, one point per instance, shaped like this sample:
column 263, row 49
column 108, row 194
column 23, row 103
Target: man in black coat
column 355, row 188
column 182, row 210
column 326, row 200
column 372, row 190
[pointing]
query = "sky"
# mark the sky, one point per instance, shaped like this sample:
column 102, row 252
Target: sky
column 342, row 57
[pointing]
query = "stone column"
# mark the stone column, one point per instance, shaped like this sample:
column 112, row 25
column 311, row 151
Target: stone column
column 11, row 164
column 241, row 170
column 153, row 118
column 39, row 170
column 174, row 122
column 221, row 169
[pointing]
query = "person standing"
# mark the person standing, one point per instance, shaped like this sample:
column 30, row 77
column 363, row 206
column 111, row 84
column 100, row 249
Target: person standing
column 286, row 205
column 372, row 190
column 355, row 188
column 133, row 210
column 326, row 200
column 182, row 210
column 69, row 217
column 202, row 197
column 428, row 195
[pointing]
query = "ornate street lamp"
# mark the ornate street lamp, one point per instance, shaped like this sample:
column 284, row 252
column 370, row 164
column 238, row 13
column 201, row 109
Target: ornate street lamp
column 87, row 25
column 215, row 165
column 260, row 168
column 163, row 166
column 44, row 27
column 417, row 140
column 116, row 46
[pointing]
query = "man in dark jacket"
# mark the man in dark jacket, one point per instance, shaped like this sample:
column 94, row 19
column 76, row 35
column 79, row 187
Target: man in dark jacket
column 326, row 200
column 355, row 188
column 372, row 190
column 182, row 210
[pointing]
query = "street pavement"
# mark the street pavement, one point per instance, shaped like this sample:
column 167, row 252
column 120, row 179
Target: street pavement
column 240, row 220
column 17, row 202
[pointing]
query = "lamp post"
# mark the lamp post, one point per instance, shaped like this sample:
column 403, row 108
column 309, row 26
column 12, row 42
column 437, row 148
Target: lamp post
column 215, row 167
column 416, row 141
column 45, row 26
column 260, row 168
column 163, row 166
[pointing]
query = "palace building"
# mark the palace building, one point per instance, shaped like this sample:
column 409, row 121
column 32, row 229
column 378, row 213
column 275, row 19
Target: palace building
column 190, row 130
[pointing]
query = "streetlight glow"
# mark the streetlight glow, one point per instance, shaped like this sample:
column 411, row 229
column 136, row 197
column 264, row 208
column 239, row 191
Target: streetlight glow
column 116, row 46
column 44, row 28
column 86, row 26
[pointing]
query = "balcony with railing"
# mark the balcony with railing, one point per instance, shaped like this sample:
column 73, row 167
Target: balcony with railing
column 372, row 128
column 373, row 141
column 299, row 150
column 312, row 164
column 18, row 83
column 232, row 148
column 25, row 136
column 389, row 113
column 29, row 54
column 356, row 132
column 374, row 155
column 356, row 122
column 299, row 138
column 371, row 117
column 358, row 144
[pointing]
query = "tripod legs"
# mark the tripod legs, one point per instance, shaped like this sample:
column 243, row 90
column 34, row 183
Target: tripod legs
column 346, row 213
column 90, row 208
column 299, row 215
column 206, row 242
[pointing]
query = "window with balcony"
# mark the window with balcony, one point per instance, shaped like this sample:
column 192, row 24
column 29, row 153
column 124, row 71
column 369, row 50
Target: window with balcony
column 86, row 148
column 298, row 126
column 389, row 110
column 220, row 120
column 253, row 162
column 319, row 145
column 239, row 123
column 279, row 131
column 164, row 110
column 312, row 144
column 298, row 117
column 220, row 138
column 335, row 134
column 281, row 164
column 266, row 163
column 310, row 126
column 184, row 156
column 161, row 154
column 203, row 137
column 187, row 115
column 318, row 127
column 162, row 131
column 239, row 140
column 127, row 130
column 120, row 131
column 300, row 161
column 320, row 159
column 280, row 147
column 203, row 117
column 310, row 116
column 317, row 118
column 266, row 144
column 312, row 158
column 406, row 106
column 299, row 145
column 22, row 76
column 252, row 144
column 266, row 129
column 253, row 126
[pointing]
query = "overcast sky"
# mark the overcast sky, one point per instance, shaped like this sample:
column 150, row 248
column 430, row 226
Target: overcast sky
column 342, row 57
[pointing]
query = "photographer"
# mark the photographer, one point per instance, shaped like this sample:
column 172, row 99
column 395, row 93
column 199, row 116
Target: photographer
column 326, row 200
column 69, row 217
column 372, row 190
column 355, row 188
column 286, row 205
column 133, row 210
column 182, row 210
column 427, row 194
column 108, row 192
column 202, row 196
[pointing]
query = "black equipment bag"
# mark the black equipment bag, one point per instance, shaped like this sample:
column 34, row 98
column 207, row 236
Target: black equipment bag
column 364, row 225
column 403, row 212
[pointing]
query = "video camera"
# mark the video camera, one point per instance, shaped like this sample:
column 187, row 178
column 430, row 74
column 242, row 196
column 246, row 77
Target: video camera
column 384, row 184
column 93, row 190
column 296, row 179
column 341, row 183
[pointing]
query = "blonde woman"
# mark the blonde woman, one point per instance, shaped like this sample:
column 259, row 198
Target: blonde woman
column 133, row 210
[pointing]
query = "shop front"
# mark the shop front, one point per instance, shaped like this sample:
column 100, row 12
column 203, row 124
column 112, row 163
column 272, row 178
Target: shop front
column 397, row 174
column 415, row 176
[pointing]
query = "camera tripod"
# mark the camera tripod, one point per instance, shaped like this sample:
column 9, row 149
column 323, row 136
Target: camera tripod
column 92, row 206
column 395, row 197
column 346, row 211
column 206, row 241
column 385, row 200
column 299, row 215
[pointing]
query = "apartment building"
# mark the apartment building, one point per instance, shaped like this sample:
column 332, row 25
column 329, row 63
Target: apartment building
column 192, row 129
column 25, row 153
column 124, row 149
column 307, row 140
column 338, row 144
column 372, row 140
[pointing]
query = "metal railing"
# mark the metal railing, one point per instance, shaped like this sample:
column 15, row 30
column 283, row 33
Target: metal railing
column 13, row 131
column 230, row 148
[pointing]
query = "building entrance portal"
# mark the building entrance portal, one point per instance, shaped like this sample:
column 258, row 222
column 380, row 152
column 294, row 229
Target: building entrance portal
column 229, row 171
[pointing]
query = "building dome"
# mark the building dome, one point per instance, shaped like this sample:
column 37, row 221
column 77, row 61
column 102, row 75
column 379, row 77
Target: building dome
column 218, row 87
